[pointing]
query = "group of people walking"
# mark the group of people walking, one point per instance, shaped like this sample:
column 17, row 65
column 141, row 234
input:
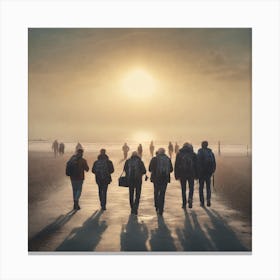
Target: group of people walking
column 58, row 148
column 188, row 167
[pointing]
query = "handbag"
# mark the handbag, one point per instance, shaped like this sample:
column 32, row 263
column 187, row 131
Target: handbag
column 123, row 182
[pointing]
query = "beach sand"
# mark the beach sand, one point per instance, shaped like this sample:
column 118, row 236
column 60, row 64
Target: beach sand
column 53, row 226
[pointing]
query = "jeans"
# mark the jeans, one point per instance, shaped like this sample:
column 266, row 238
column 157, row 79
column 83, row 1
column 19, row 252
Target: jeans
column 156, row 195
column 77, row 189
column 161, row 197
column 134, row 202
column 102, row 191
column 206, row 180
column 183, row 182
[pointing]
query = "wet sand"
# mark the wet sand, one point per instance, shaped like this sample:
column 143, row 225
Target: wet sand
column 53, row 226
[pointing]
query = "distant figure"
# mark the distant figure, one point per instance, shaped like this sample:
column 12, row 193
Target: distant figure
column 170, row 149
column 186, row 171
column 160, row 168
column 219, row 148
column 206, row 167
column 103, row 168
column 55, row 147
column 75, row 168
column 78, row 146
column 125, row 149
column 176, row 148
column 140, row 150
column 134, row 169
column 152, row 148
column 61, row 148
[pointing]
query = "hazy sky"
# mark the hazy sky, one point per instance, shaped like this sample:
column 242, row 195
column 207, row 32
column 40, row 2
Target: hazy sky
column 140, row 84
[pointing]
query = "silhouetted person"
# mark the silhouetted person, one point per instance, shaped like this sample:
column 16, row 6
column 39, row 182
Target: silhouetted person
column 61, row 148
column 55, row 147
column 186, row 171
column 103, row 168
column 75, row 169
column 152, row 148
column 134, row 169
column 176, row 148
column 140, row 150
column 170, row 149
column 219, row 148
column 160, row 168
column 206, row 167
column 125, row 149
column 78, row 146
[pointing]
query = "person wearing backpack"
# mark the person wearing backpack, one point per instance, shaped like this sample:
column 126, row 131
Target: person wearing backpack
column 134, row 170
column 160, row 168
column 103, row 168
column 75, row 168
column 186, row 171
column 206, row 168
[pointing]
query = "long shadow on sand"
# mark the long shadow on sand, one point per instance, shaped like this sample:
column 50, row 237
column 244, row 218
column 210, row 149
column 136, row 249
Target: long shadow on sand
column 86, row 237
column 222, row 235
column 219, row 237
column 134, row 235
column 192, row 236
column 41, row 238
column 161, row 239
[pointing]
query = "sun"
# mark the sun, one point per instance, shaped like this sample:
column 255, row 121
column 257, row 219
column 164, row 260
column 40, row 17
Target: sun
column 139, row 83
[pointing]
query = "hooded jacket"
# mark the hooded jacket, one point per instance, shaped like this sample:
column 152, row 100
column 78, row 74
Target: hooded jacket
column 103, row 168
column 180, row 173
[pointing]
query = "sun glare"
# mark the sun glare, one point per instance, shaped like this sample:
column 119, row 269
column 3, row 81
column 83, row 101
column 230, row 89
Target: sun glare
column 143, row 136
column 139, row 83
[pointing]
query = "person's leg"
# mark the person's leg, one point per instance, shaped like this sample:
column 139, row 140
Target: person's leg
column 131, row 194
column 191, row 187
column 162, row 190
column 104, row 196
column 208, row 190
column 74, row 190
column 137, row 198
column 183, row 188
column 100, row 194
column 201, row 194
column 156, row 196
column 79, row 192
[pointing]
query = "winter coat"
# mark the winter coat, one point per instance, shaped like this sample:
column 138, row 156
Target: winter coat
column 134, row 169
column 190, row 173
column 103, row 168
column 153, row 169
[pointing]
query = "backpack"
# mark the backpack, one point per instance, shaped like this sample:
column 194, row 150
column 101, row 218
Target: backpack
column 72, row 166
column 134, row 169
column 207, row 161
column 187, row 164
column 101, row 169
column 162, row 167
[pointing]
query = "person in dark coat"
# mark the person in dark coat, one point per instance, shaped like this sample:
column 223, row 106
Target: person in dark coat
column 134, row 169
column 206, row 167
column 186, row 171
column 103, row 168
column 160, row 168
column 78, row 175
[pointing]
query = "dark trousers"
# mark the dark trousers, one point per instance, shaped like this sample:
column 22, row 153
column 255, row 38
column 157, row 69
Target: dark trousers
column 102, row 191
column 134, row 200
column 184, row 188
column 161, row 196
column 206, row 180
column 156, row 195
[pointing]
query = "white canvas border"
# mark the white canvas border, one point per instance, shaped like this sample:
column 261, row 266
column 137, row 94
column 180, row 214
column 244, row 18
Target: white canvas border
column 17, row 16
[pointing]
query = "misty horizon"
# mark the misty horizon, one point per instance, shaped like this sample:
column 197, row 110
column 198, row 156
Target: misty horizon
column 103, row 84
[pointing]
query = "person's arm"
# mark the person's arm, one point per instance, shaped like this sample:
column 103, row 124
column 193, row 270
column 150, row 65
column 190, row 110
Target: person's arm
column 86, row 168
column 111, row 167
column 93, row 168
column 143, row 168
column 214, row 167
column 176, row 167
column 171, row 166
